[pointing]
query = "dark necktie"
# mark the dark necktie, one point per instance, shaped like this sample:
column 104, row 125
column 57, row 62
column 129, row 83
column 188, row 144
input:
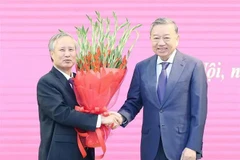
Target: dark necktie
column 162, row 81
column 70, row 81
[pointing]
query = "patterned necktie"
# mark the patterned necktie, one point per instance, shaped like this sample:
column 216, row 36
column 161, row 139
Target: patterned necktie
column 162, row 81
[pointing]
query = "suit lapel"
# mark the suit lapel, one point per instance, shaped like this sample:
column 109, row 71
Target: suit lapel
column 151, row 78
column 63, row 80
column 176, row 71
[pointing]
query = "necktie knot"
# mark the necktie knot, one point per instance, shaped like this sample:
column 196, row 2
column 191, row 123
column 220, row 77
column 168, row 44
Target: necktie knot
column 164, row 65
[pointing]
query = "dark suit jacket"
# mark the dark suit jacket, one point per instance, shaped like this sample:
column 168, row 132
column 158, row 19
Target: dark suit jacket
column 56, row 101
column 180, row 119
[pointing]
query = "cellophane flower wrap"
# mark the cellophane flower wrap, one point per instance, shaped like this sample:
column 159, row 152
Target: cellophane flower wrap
column 101, row 67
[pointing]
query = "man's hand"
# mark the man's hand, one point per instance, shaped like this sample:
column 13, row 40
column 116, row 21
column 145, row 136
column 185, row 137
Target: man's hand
column 118, row 117
column 188, row 154
column 113, row 120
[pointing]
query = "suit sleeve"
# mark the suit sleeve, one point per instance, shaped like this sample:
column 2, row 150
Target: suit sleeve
column 198, row 107
column 133, row 104
column 51, row 102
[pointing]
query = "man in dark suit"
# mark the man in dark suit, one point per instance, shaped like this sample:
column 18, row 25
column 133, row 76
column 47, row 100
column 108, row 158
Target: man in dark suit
column 56, row 101
column 172, row 87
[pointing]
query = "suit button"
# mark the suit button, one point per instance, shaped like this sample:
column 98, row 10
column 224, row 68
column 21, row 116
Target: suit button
column 161, row 111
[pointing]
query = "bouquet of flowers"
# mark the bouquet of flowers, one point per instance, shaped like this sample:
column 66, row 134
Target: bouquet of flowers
column 101, row 67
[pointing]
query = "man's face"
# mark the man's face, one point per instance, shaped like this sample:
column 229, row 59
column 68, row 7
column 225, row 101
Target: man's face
column 64, row 54
column 164, row 40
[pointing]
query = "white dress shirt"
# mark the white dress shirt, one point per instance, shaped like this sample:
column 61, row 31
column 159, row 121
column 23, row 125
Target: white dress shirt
column 70, row 76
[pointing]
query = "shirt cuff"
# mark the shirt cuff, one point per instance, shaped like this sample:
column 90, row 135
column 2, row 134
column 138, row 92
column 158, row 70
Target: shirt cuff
column 99, row 121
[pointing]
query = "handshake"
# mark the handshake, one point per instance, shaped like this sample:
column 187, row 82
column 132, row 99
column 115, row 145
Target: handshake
column 113, row 120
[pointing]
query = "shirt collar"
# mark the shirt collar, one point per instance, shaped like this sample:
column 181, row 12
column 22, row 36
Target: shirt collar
column 65, row 75
column 170, row 59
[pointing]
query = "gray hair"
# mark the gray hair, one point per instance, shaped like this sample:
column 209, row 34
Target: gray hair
column 161, row 21
column 54, row 38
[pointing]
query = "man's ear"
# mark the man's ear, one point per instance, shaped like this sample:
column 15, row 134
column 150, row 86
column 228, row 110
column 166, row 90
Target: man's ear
column 51, row 55
column 177, row 40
